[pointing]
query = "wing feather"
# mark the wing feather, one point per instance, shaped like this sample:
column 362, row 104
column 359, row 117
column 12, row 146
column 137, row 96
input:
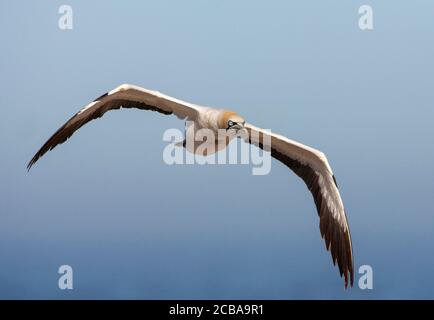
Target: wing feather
column 312, row 166
column 124, row 96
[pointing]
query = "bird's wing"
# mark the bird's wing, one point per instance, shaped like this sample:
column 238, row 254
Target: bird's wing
column 312, row 166
column 125, row 96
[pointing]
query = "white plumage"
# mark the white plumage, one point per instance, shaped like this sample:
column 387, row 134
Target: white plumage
column 309, row 164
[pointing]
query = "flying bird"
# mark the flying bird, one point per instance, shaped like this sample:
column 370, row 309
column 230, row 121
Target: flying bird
column 309, row 164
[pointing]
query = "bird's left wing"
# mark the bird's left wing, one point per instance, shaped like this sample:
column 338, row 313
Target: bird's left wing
column 312, row 166
column 125, row 96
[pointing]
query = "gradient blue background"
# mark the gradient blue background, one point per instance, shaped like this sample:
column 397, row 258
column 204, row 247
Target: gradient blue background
column 133, row 227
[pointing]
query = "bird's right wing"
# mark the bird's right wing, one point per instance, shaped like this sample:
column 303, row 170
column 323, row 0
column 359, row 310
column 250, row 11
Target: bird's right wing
column 312, row 166
column 125, row 96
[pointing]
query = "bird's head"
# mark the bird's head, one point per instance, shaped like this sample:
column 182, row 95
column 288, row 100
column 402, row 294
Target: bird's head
column 230, row 120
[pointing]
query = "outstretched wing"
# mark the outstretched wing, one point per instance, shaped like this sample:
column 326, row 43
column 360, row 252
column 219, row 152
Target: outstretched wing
column 125, row 96
column 312, row 166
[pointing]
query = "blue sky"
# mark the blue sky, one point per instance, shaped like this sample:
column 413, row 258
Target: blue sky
column 133, row 227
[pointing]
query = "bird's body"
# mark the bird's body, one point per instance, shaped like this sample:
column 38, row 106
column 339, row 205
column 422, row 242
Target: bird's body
column 309, row 164
column 215, row 120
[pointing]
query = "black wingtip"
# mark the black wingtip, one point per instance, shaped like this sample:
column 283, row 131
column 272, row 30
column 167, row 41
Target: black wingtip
column 32, row 162
column 349, row 274
column 30, row 165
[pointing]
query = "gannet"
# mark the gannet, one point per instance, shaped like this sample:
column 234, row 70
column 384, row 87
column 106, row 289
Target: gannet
column 309, row 164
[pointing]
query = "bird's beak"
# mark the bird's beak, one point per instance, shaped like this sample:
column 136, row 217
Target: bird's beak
column 243, row 132
column 239, row 129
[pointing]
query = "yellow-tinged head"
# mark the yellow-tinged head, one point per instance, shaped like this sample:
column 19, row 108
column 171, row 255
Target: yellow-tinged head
column 231, row 120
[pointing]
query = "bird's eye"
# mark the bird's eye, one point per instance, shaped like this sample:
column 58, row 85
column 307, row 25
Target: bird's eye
column 230, row 123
